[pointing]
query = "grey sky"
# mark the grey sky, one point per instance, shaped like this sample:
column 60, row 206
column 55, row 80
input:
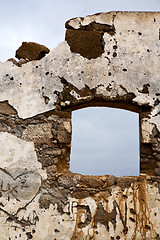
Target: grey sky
column 106, row 141
column 43, row 21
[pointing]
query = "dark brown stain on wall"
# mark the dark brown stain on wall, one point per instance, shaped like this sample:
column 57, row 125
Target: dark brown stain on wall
column 104, row 218
column 31, row 51
column 89, row 44
column 7, row 109
column 87, row 40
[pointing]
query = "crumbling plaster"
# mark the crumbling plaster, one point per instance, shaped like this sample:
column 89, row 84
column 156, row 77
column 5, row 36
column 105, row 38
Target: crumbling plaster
column 108, row 59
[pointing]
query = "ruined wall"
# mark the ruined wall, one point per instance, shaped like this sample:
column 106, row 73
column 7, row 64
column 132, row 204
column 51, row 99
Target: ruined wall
column 108, row 59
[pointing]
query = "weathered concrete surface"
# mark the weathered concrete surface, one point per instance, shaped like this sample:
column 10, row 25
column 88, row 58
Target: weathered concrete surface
column 40, row 197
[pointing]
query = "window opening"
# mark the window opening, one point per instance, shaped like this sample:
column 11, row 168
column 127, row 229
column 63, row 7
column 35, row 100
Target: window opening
column 105, row 141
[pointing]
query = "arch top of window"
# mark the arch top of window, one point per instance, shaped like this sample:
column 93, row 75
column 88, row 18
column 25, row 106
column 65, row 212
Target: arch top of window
column 125, row 105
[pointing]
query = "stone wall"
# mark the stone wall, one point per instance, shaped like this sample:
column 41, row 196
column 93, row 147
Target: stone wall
column 108, row 59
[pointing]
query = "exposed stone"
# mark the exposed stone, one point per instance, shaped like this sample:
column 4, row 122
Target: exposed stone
column 67, row 126
column 66, row 181
column 7, row 109
column 125, row 182
column 31, row 51
column 21, row 62
column 63, row 136
column 53, row 151
column 91, row 181
column 112, row 180
column 51, row 170
column 89, row 44
column 40, row 133
column 13, row 61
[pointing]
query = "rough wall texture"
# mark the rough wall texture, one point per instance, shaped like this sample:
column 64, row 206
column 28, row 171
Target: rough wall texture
column 108, row 59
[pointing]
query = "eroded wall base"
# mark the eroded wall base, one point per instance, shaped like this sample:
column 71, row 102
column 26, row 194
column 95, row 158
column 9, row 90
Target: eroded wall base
column 128, row 209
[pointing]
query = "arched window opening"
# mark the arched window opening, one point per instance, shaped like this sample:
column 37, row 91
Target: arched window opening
column 105, row 141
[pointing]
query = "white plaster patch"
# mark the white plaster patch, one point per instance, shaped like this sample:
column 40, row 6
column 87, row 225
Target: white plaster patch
column 21, row 174
column 67, row 126
column 143, row 99
column 147, row 128
column 75, row 95
column 102, row 18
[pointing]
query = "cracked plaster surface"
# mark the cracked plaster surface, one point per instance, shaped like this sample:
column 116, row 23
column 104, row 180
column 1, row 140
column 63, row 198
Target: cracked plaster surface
column 137, row 52
column 21, row 175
